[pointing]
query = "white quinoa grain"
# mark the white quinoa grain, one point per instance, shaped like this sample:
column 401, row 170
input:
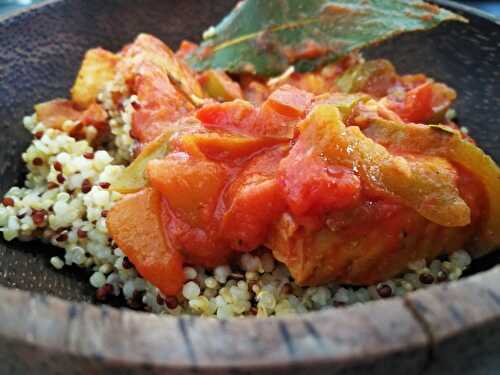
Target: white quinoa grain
column 190, row 273
column 221, row 273
column 211, row 283
column 460, row 258
column 267, row 262
column 225, row 312
column 190, row 290
column 57, row 262
column 97, row 279
column 250, row 263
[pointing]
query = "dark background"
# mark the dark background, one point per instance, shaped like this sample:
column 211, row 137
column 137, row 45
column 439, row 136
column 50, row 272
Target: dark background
column 491, row 6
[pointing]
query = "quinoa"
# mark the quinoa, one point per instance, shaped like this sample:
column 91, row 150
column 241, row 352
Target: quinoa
column 65, row 200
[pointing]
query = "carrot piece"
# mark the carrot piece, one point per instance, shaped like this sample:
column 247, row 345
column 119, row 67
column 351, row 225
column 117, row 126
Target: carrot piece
column 191, row 190
column 135, row 225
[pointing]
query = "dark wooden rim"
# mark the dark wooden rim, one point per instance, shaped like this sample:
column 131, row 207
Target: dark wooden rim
column 397, row 328
column 404, row 330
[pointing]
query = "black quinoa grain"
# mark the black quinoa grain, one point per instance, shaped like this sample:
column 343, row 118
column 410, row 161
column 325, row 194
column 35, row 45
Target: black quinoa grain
column 21, row 216
column 159, row 300
column 384, row 291
column 136, row 301
column 8, row 201
column 426, row 278
column 86, row 186
column 37, row 161
column 61, row 178
column 442, row 276
column 104, row 185
column 171, row 302
column 88, row 155
column 127, row 264
column 104, row 292
column 62, row 237
column 58, row 166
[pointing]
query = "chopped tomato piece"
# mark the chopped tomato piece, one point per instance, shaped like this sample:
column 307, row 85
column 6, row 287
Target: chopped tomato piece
column 254, row 91
column 236, row 117
column 311, row 184
column 425, row 103
column 276, row 118
column 290, row 101
column 280, row 113
column 135, row 225
column 185, row 49
column 255, row 201
column 164, row 86
column 160, row 104
column 56, row 112
column 313, row 187
column 191, row 188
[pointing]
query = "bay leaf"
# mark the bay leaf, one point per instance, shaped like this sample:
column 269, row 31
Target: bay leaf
column 264, row 37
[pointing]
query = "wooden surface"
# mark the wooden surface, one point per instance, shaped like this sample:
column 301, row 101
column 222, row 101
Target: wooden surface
column 444, row 329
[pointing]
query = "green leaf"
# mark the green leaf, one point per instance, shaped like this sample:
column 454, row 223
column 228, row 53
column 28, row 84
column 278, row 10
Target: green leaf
column 264, row 37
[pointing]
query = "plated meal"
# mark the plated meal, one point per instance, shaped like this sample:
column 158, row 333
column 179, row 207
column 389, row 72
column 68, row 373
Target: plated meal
column 269, row 170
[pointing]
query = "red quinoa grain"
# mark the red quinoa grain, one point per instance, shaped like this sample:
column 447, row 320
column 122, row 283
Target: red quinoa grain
column 58, row 166
column 104, row 292
column 7, row 201
column 86, row 186
column 37, row 161
column 38, row 217
column 171, row 302
column 81, row 233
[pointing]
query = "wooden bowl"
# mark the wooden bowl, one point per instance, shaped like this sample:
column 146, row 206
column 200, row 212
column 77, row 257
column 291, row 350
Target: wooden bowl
column 47, row 323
